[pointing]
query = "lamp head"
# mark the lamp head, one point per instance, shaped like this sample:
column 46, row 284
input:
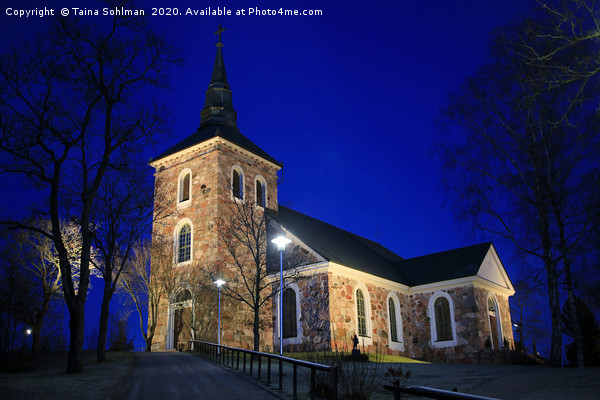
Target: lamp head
column 219, row 282
column 281, row 242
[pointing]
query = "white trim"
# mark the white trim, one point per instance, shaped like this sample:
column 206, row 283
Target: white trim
column 206, row 144
column 263, row 182
column 431, row 313
column 242, row 177
column 188, row 202
column 180, row 225
column 363, row 340
column 399, row 345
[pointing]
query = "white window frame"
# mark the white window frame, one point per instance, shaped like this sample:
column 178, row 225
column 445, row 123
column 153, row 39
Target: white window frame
column 363, row 340
column 399, row 345
column 188, row 202
column 431, row 312
column 178, row 228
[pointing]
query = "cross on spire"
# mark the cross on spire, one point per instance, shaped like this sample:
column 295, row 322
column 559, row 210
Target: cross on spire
column 219, row 32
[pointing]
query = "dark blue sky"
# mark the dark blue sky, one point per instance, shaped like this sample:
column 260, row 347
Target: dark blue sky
column 346, row 100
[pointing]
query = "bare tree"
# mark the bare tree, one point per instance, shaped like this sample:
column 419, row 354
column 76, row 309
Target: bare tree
column 518, row 150
column 146, row 282
column 243, row 235
column 69, row 104
column 122, row 215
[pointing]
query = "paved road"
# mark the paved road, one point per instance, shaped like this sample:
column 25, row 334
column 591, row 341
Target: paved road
column 172, row 375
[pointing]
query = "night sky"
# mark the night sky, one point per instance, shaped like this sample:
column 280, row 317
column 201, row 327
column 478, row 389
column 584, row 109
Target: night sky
column 347, row 101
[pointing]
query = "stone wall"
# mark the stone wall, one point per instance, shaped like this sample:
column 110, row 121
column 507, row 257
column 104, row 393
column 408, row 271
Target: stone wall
column 211, row 165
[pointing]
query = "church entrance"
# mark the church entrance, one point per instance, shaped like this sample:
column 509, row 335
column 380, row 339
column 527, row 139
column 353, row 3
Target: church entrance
column 180, row 321
column 495, row 328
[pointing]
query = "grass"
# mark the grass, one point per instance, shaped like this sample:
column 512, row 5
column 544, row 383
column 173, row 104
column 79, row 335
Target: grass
column 382, row 358
column 44, row 377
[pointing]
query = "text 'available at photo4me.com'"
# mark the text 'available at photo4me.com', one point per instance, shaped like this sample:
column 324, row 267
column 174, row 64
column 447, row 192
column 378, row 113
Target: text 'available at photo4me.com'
column 158, row 12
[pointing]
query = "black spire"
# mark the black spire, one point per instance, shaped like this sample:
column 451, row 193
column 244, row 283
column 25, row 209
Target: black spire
column 218, row 107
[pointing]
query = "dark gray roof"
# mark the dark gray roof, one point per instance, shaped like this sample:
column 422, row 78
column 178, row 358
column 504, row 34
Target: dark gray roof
column 446, row 265
column 228, row 133
column 345, row 248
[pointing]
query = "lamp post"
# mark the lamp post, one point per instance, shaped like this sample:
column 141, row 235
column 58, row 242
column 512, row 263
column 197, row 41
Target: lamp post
column 219, row 283
column 281, row 241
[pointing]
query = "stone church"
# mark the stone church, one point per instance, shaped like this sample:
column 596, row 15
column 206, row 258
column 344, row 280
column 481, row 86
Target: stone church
column 444, row 306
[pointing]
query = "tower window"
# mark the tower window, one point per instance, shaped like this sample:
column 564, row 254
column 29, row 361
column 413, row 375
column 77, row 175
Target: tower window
column 237, row 183
column 261, row 199
column 185, row 244
column 184, row 188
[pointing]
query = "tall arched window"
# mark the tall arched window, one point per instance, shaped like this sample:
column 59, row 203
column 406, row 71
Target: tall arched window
column 361, row 313
column 393, row 321
column 237, row 183
column 443, row 322
column 184, row 244
column 261, row 198
column 289, row 314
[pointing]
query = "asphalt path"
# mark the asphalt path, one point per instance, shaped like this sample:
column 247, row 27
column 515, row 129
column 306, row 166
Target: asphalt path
column 172, row 375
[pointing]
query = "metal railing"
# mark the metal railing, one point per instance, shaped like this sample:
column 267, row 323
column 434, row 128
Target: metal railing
column 230, row 356
column 432, row 393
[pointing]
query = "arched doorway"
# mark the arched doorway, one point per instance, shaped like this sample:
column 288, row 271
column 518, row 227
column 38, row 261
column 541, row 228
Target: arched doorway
column 180, row 320
column 494, row 321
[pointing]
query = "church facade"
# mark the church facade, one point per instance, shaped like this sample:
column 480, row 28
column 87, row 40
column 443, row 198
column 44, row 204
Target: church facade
column 447, row 306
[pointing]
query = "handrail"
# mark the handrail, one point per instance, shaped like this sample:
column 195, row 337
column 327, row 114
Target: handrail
column 221, row 353
column 433, row 393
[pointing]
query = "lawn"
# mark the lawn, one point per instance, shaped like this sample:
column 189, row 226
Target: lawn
column 44, row 377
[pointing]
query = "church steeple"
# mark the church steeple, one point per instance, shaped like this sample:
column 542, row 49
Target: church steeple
column 218, row 106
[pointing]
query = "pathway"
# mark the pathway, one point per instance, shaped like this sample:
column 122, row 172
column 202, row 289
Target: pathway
column 172, row 375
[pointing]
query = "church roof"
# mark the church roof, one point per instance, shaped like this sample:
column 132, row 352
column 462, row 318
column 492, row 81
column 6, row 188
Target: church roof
column 445, row 265
column 345, row 248
column 228, row 133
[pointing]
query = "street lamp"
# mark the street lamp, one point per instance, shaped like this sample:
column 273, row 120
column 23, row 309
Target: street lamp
column 219, row 283
column 281, row 241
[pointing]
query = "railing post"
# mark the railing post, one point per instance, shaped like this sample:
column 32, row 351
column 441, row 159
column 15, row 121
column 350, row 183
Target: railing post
column 269, row 371
column 280, row 374
column 244, row 362
column 259, row 366
column 238, row 359
column 251, row 363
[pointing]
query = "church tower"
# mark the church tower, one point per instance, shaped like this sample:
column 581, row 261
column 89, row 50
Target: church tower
column 196, row 181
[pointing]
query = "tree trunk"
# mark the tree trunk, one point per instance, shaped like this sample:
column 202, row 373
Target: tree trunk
column 103, row 326
column 572, row 309
column 555, row 312
column 76, row 326
column 35, row 333
column 256, row 329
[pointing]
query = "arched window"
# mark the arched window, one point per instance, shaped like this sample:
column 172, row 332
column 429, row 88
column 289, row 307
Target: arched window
column 289, row 314
column 495, row 327
column 184, row 244
column 443, row 323
column 393, row 321
column 184, row 187
column 182, row 296
column 261, row 189
column 361, row 313
column 237, row 183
